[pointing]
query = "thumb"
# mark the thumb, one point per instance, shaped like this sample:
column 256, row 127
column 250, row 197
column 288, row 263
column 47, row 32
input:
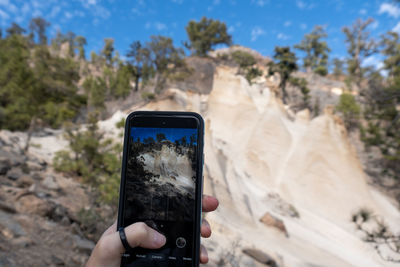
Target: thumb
column 141, row 235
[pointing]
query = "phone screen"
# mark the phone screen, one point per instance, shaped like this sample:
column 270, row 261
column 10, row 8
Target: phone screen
column 160, row 190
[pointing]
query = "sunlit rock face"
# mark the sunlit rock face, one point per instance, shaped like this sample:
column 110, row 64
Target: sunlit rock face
column 170, row 166
column 261, row 158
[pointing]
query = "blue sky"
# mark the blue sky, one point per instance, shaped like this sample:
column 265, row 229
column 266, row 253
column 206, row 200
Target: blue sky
column 172, row 134
column 258, row 24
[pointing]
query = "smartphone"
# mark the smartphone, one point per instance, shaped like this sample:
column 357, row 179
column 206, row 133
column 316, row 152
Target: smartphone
column 162, row 183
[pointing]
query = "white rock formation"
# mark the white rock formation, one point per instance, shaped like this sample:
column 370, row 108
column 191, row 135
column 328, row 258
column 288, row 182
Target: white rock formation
column 260, row 159
column 253, row 149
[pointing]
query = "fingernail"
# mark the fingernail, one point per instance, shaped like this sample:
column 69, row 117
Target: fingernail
column 159, row 239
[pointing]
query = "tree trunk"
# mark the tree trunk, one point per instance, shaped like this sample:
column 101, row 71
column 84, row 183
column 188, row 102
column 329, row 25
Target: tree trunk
column 31, row 129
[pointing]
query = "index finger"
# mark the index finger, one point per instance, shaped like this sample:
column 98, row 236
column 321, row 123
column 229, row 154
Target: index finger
column 209, row 203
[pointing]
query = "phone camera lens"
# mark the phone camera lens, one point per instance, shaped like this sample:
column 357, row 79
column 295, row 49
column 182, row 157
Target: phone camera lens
column 180, row 242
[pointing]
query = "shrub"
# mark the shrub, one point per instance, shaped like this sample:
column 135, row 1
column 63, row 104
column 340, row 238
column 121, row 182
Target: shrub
column 349, row 109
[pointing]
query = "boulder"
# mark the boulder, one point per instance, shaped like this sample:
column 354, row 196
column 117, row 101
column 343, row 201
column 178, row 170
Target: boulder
column 6, row 207
column 272, row 221
column 9, row 227
column 50, row 183
column 261, row 257
column 14, row 174
column 34, row 166
column 31, row 204
column 5, row 165
column 83, row 245
column 25, row 181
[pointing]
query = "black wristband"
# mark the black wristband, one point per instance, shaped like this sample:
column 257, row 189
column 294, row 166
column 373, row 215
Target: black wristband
column 124, row 241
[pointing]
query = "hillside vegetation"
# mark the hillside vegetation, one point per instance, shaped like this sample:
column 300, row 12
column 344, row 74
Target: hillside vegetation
column 50, row 82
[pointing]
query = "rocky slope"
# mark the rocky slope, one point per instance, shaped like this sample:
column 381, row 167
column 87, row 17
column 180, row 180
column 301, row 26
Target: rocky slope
column 45, row 218
column 301, row 173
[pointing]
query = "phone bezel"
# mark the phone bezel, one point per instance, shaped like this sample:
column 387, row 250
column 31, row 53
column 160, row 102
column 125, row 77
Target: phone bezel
column 172, row 118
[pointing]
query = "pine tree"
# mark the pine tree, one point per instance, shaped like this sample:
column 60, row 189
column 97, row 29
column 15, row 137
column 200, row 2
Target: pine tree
column 381, row 110
column 138, row 59
column 206, row 34
column 38, row 27
column 285, row 64
column 359, row 46
column 108, row 50
column 80, row 43
column 15, row 29
column 164, row 58
column 316, row 58
column 338, row 66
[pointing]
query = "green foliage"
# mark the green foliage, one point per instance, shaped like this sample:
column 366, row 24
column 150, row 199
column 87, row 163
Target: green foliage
column 120, row 85
column 43, row 90
column 391, row 48
column 317, row 107
column 120, row 124
column 301, row 83
column 108, row 50
column 349, row 109
column 243, row 59
column 246, row 61
column 93, row 158
column 338, row 66
column 321, row 70
column 284, row 65
column 253, row 73
column 359, row 46
column 80, row 42
column 382, row 114
column 96, row 90
column 164, row 58
column 206, row 34
column 15, row 29
column 139, row 60
column 38, row 27
column 316, row 58
column 148, row 96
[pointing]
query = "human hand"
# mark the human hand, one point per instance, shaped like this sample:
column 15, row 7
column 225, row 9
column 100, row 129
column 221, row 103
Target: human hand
column 109, row 248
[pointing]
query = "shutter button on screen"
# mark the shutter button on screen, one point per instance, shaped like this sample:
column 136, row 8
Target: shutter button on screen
column 180, row 242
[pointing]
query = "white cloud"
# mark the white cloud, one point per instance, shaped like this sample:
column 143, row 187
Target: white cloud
column 155, row 25
column 287, row 23
column 256, row 32
column 3, row 15
column 231, row 29
column 216, row 2
column 177, row 1
column 282, row 36
column 37, row 13
column 391, row 9
column 303, row 5
column 54, row 11
column 397, row 28
column 300, row 4
column 68, row 14
column 4, row 2
column 363, row 11
column 260, row 3
column 373, row 61
column 374, row 24
column 303, row 26
column 136, row 11
column 160, row 26
column 25, row 9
